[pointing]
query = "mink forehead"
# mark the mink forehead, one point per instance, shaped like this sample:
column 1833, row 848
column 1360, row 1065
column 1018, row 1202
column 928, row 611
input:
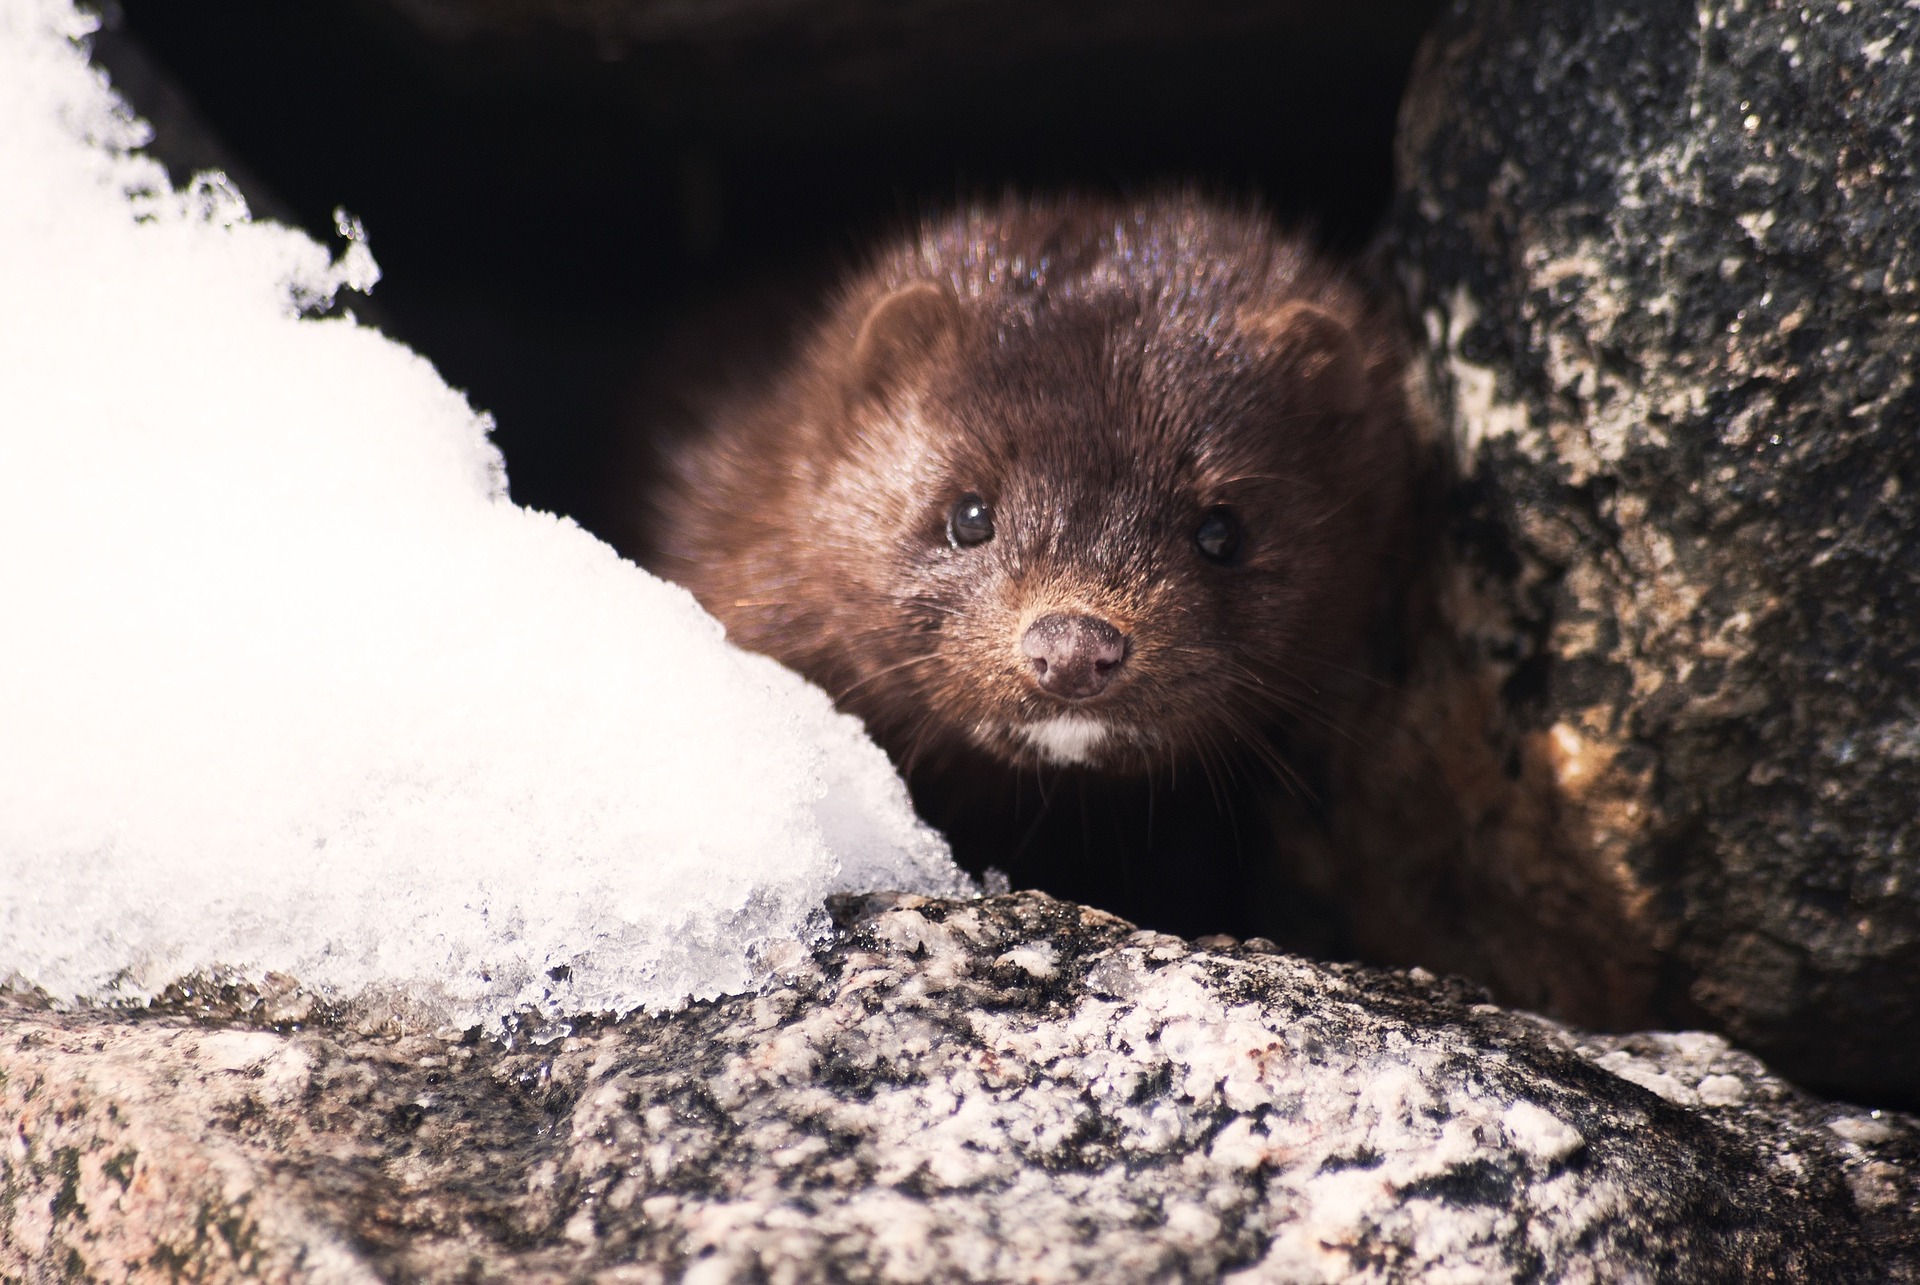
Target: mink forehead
column 1092, row 394
column 1166, row 250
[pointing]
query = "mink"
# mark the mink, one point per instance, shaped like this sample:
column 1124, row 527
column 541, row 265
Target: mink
column 1085, row 508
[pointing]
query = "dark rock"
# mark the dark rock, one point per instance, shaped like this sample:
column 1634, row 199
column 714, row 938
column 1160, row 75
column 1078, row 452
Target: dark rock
column 1009, row 1089
column 1663, row 763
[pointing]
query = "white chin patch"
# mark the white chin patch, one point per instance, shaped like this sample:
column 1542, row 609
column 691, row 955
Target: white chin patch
column 1069, row 740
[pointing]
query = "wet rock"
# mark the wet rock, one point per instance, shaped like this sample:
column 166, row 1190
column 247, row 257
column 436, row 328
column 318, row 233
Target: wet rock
column 1011, row 1089
column 1663, row 765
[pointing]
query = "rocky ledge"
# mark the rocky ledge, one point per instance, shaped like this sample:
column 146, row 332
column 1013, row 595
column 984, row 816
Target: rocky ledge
column 1008, row 1089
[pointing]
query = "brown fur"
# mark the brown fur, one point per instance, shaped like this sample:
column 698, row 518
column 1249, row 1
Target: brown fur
column 1103, row 375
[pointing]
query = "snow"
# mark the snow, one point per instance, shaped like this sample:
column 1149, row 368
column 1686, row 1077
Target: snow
column 1540, row 1133
column 287, row 684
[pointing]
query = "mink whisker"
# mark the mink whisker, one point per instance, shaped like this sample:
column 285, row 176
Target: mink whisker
column 878, row 674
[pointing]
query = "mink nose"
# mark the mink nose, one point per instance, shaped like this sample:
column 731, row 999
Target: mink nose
column 1074, row 656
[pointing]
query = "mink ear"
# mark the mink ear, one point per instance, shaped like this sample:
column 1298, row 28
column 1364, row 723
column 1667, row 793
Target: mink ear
column 903, row 330
column 1314, row 352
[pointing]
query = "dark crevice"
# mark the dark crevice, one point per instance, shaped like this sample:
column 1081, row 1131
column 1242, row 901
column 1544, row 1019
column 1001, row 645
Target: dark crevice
column 549, row 202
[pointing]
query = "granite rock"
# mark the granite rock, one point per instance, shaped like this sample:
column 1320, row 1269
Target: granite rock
column 1008, row 1089
column 1660, row 764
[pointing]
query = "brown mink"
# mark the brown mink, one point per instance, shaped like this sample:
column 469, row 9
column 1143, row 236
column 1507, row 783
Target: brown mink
column 1082, row 506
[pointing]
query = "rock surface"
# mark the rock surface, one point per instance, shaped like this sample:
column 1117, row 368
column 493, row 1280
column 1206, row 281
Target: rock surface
column 1667, row 258
column 1010, row 1089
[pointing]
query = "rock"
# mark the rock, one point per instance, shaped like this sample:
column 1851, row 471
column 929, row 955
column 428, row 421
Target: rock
column 1661, row 765
column 1008, row 1089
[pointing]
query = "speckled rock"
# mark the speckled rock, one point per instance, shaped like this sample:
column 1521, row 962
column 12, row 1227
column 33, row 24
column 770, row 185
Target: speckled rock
column 1011, row 1089
column 1667, row 258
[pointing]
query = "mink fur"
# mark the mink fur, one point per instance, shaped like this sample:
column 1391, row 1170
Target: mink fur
column 1186, row 435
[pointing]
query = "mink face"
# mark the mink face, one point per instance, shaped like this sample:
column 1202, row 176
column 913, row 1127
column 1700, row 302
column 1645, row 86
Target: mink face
column 1083, row 485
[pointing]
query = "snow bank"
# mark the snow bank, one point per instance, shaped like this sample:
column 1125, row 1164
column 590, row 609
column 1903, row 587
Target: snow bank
column 287, row 683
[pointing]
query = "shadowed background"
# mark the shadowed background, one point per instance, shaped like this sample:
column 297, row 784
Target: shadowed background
column 551, row 186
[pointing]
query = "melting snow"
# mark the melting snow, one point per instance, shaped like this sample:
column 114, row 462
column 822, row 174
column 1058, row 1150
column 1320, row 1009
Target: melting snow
column 287, row 683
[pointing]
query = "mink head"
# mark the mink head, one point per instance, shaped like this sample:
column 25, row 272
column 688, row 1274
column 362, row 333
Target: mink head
column 1099, row 486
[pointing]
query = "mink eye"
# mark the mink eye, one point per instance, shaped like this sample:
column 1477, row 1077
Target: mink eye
column 970, row 522
column 1218, row 536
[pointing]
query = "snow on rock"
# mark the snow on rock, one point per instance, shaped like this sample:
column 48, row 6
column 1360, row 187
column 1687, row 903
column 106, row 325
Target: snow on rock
column 288, row 684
